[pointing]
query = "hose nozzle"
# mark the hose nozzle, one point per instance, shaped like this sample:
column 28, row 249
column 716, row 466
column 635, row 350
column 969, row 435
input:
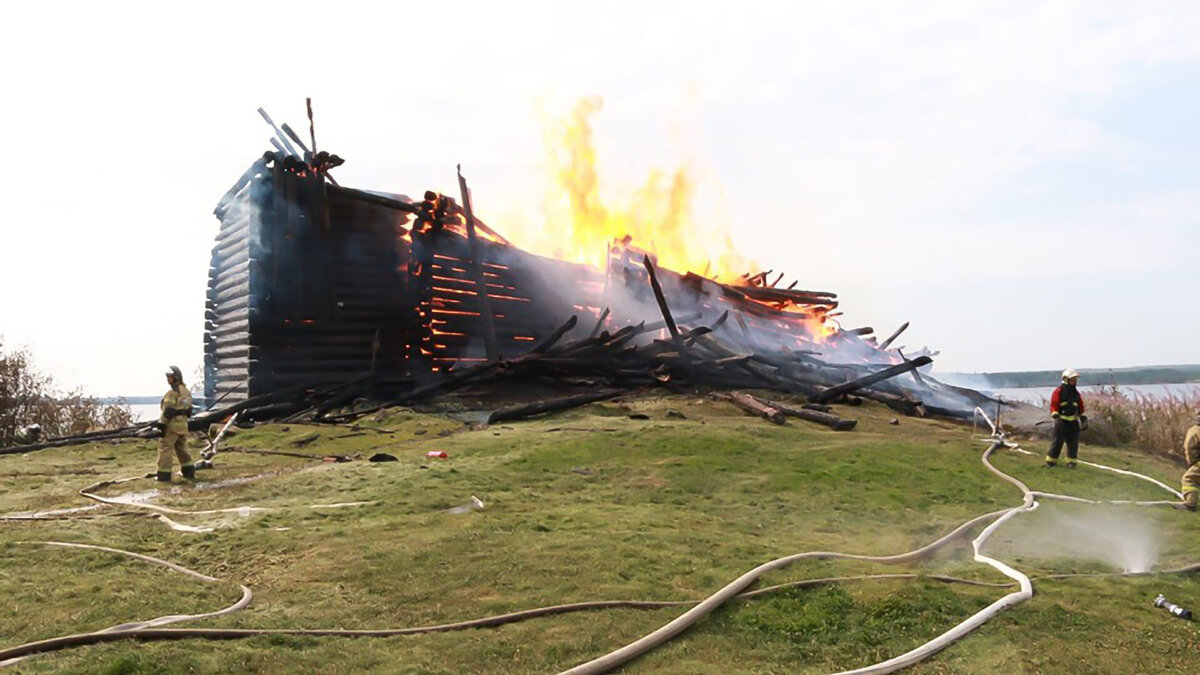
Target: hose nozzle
column 1161, row 601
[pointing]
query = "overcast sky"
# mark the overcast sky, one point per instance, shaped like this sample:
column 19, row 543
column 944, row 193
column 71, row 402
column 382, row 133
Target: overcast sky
column 1021, row 180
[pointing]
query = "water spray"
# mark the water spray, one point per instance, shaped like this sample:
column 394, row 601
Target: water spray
column 1161, row 601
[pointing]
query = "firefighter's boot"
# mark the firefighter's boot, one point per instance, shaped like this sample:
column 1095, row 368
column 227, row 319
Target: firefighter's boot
column 188, row 471
column 164, row 476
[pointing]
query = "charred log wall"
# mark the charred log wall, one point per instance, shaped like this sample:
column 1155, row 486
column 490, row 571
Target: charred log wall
column 529, row 296
column 305, row 284
column 228, row 301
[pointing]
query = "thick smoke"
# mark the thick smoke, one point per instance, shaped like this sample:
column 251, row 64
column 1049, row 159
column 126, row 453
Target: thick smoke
column 625, row 290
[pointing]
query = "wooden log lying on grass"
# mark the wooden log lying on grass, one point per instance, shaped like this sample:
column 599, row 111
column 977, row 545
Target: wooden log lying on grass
column 820, row 417
column 901, row 404
column 754, row 406
column 549, row 405
column 92, row 437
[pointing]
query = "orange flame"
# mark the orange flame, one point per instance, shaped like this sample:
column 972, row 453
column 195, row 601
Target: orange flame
column 580, row 225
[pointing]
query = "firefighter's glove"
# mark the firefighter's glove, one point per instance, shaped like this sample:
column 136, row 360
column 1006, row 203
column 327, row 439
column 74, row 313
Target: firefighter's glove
column 1083, row 423
column 1055, row 416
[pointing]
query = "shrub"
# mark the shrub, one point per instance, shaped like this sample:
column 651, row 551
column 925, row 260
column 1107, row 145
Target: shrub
column 28, row 396
column 1150, row 423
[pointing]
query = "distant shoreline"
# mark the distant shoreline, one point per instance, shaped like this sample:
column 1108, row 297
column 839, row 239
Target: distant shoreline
column 1024, row 379
column 131, row 400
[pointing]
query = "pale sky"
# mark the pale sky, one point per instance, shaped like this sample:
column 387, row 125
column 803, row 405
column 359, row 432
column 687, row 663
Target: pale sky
column 1021, row 180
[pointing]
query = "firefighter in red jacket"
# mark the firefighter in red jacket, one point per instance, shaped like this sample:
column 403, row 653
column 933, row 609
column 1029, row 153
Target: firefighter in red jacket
column 1066, row 407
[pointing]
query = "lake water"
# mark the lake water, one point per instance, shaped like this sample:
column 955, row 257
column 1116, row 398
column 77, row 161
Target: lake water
column 144, row 412
column 1035, row 395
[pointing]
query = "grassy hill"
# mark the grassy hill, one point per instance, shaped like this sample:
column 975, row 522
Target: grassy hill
column 588, row 505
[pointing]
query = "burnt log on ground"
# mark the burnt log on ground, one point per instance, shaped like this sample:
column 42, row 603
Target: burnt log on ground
column 93, row 437
column 812, row 415
column 901, row 404
column 754, row 406
column 550, row 405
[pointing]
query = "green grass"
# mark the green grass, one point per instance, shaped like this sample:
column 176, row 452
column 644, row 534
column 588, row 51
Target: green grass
column 586, row 505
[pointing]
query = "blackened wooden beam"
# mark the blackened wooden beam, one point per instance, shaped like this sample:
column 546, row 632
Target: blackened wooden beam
column 916, row 373
column 485, row 305
column 755, row 407
column 549, row 405
column 378, row 200
column 867, row 380
column 599, row 322
column 662, row 306
column 279, row 133
column 813, row 415
column 891, row 338
column 556, row 335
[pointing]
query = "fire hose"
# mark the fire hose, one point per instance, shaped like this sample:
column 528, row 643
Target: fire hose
column 664, row 634
column 149, row 630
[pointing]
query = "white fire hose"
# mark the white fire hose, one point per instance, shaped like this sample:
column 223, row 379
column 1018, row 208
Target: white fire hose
column 150, row 630
column 634, row 649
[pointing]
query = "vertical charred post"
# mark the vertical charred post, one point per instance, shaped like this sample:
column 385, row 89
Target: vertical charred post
column 666, row 312
column 485, row 305
column 425, row 231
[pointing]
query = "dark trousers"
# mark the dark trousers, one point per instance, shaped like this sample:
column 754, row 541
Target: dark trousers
column 1064, row 432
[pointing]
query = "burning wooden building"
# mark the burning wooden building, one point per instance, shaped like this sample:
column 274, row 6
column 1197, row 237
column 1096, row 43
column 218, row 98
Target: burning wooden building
column 314, row 283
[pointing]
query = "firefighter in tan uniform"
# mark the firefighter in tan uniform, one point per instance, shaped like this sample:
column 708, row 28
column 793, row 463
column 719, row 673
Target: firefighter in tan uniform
column 176, row 408
column 1191, row 477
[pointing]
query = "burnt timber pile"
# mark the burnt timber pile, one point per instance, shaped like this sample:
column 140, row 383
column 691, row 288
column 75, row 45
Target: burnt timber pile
column 329, row 301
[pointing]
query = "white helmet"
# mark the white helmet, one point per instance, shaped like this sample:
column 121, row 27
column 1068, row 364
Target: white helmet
column 1069, row 373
